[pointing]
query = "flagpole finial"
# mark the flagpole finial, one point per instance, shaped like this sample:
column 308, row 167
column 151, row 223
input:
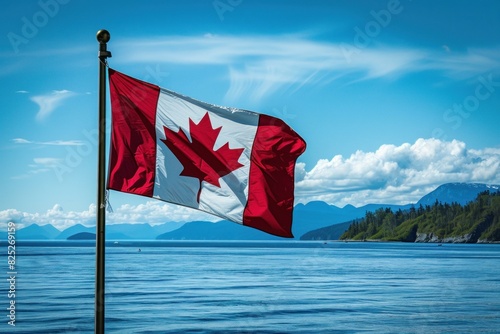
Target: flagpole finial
column 103, row 36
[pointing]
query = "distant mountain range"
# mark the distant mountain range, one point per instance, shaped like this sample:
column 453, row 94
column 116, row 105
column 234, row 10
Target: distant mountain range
column 460, row 193
column 307, row 217
column 113, row 232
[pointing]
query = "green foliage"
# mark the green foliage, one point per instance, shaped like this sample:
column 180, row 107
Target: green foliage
column 479, row 219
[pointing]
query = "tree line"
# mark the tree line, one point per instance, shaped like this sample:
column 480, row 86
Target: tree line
column 476, row 220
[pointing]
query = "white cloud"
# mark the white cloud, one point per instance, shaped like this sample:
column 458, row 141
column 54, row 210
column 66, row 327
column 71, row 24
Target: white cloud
column 152, row 212
column 390, row 175
column 396, row 174
column 49, row 102
column 259, row 65
column 155, row 212
column 49, row 143
column 56, row 216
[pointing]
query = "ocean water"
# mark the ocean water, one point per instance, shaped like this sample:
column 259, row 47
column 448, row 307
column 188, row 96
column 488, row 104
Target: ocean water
column 257, row 287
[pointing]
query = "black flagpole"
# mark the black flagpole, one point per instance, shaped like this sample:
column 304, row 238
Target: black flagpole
column 103, row 37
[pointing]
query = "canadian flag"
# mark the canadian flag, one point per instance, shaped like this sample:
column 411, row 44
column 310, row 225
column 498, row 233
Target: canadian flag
column 232, row 163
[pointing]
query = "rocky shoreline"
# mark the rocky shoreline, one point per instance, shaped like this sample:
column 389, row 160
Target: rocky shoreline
column 463, row 239
column 431, row 240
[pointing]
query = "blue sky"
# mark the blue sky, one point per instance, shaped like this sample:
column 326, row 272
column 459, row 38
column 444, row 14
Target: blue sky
column 393, row 98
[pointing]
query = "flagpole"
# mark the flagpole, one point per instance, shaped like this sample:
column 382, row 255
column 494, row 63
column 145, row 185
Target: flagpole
column 103, row 37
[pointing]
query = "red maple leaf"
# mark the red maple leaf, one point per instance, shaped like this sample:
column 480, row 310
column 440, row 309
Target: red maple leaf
column 198, row 157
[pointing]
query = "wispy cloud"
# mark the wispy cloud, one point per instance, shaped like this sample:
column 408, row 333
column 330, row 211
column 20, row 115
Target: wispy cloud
column 463, row 65
column 21, row 141
column 22, row 92
column 29, row 59
column 48, row 143
column 49, row 162
column 49, row 102
column 396, row 174
column 259, row 65
column 39, row 166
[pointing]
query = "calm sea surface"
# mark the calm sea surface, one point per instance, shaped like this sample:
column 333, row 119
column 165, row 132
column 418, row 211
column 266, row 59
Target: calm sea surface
column 257, row 287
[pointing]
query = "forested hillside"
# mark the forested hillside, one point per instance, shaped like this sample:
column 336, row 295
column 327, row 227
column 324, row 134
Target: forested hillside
column 477, row 221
